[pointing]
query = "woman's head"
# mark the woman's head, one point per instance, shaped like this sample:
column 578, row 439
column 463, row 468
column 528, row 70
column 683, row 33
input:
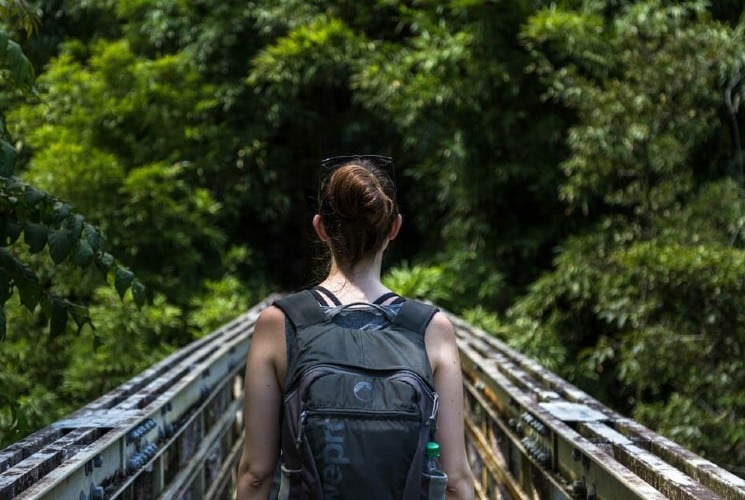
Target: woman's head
column 357, row 208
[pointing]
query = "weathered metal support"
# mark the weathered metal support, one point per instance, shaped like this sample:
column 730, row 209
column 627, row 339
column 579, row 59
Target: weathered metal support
column 175, row 431
column 561, row 443
column 156, row 434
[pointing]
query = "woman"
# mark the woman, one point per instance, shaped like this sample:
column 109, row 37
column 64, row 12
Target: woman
column 357, row 218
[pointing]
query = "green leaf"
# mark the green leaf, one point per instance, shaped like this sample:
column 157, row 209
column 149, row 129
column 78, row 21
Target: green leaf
column 14, row 184
column 75, row 225
column 138, row 292
column 35, row 236
column 7, row 159
column 11, row 233
column 83, row 254
column 29, row 291
column 62, row 210
column 60, row 245
column 58, row 319
column 93, row 237
column 122, row 279
column 19, row 65
column 14, row 56
column 80, row 316
column 33, row 196
column 104, row 260
column 2, row 323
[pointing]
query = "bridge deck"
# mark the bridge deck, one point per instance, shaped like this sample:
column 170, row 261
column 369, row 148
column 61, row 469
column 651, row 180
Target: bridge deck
column 174, row 431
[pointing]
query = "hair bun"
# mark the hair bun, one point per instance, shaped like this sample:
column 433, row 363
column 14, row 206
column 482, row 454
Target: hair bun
column 357, row 208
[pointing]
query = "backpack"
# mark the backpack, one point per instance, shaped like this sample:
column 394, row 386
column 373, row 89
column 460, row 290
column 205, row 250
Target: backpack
column 359, row 406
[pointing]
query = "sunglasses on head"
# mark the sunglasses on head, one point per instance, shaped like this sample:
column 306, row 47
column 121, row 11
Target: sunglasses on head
column 380, row 161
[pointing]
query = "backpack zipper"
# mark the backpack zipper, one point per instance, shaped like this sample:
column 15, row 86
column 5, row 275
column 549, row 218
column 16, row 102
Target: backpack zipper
column 300, row 427
column 303, row 417
column 348, row 412
column 435, row 408
column 334, row 368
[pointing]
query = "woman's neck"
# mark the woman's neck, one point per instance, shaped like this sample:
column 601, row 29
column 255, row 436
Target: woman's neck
column 358, row 283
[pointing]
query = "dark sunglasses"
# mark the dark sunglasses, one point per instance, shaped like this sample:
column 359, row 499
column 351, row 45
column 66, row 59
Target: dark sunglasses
column 383, row 162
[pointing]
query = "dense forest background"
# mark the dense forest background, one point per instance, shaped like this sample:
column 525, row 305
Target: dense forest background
column 570, row 174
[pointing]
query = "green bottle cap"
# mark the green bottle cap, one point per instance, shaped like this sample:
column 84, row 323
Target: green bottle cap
column 432, row 450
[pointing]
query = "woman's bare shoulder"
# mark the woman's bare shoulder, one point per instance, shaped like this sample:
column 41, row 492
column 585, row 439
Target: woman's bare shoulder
column 270, row 321
column 440, row 328
column 439, row 339
column 272, row 315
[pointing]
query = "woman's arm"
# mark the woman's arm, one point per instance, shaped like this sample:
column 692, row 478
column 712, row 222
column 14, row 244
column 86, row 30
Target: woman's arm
column 445, row 360
column 265, row 368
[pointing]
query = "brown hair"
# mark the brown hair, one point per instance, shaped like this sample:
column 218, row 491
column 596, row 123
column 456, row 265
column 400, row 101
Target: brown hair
column 357, row 205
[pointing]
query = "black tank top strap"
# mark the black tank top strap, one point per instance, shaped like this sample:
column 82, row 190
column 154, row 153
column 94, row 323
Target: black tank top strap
column 380, row 300
column 322, row 294
column 326, row 297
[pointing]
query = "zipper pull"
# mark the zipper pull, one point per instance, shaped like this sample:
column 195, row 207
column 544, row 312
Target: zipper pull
column 435, row 408
column 300, row 426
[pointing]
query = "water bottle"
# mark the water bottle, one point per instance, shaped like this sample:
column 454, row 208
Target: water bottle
column 434, row 480
column 432, row 456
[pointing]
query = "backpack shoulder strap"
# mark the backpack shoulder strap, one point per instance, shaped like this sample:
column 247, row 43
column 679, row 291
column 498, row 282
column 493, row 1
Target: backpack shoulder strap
column 301, row 308
column 415, row 315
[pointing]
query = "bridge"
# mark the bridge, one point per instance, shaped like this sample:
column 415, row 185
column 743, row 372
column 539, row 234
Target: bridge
column 175, row 431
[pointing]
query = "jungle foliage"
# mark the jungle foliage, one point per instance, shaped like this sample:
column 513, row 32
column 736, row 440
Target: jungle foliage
column 570, row 174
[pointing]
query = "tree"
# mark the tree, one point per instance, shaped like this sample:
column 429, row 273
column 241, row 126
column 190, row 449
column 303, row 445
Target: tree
column 442, row 88
column 650, row 297
column 43, row 219
column 46, row 222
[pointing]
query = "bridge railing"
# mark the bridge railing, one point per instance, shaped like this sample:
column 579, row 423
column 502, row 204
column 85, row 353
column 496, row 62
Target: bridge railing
column 531, row 434
column 175, row 431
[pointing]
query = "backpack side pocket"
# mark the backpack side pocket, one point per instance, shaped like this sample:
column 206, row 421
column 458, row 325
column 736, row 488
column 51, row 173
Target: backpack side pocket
column 434, row 485
column 289, row 483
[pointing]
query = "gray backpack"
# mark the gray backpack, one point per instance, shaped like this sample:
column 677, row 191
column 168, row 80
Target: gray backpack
column 359, row 405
